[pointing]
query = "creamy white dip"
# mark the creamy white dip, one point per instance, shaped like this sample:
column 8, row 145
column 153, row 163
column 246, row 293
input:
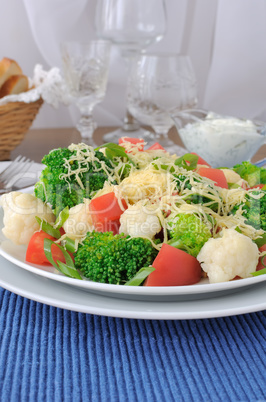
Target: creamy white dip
column 222, row 141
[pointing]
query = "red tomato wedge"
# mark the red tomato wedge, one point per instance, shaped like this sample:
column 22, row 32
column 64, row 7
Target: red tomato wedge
column 201, row 161
column 174, row 267
column 260, row 265
column 35, row 251
column 136, row 141
column 106, row 211
column 106, row 207
column 156, row 146
column 258, row 186
column 216, row 175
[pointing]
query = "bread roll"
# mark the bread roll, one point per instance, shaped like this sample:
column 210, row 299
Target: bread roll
column 14, row 85
column 8, row 68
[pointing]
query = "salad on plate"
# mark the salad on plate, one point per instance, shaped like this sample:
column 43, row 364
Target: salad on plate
column 129, row 215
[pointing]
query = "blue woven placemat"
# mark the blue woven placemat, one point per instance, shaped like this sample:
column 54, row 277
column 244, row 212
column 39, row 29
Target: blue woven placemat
column 50, row 354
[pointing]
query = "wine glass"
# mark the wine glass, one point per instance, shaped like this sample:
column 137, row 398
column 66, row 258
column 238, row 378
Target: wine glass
column 159, row 86
column 132, row 25
column 86, row 67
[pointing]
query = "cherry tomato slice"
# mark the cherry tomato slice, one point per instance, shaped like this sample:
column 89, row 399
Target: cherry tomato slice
column 105, row 212
column 136, row 141
column 106, row 208
column 174, row 267
column 215, row 175
column 258, row 186
column 35, row 250
column 156, row 146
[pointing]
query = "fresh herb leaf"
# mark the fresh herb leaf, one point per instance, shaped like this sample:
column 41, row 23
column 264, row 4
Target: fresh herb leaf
column 233, row 185
column 260, row 241
column 187, row 161
column 110, row 154
column 69, row 244
column 114, row 150
column 67, row 268
column 68, row 271
column 54, row 230
column 260, row 272
column 47, row 228
column 62, row 217
column 140, row 276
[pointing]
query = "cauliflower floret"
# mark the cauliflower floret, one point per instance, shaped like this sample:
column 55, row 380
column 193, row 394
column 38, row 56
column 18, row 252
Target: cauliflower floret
column 140, row 220
column 19, row 220
column 79, row 221
column 231, row 255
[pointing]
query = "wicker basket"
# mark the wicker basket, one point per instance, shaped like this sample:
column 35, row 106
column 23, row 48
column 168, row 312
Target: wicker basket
column 15, row 121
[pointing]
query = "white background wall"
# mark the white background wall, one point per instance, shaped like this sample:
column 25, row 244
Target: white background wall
column 225, row 39
column 18, row 43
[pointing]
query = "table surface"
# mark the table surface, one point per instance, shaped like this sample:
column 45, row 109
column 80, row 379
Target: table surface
column 51, row 354
column 38, row 142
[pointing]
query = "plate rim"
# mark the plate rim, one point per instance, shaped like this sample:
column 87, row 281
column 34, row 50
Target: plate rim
column 131, row 290
column 144, row 313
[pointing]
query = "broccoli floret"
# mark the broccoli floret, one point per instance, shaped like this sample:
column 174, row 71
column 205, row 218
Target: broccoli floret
column 188, row 232
column 115, row 259
column 183, row 182
column 251, row 173
column 71, row 175
column 254, row 209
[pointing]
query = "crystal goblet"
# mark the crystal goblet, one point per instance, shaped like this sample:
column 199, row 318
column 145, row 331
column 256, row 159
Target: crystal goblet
column 159, row 86
column 131, row 25
column 86, row 68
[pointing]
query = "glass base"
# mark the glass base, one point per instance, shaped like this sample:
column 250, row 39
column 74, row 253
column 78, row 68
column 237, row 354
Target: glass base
column 114, row 136
column 89, row 141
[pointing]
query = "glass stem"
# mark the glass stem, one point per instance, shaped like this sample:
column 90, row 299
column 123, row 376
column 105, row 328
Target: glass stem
column 161, row 135
column 87, row 126
column 129, row 122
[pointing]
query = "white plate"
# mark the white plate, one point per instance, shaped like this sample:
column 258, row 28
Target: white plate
column 16, row 255
column 57, row 294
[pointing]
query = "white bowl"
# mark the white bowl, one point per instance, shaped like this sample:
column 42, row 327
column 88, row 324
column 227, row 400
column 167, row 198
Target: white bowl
column 223, row 141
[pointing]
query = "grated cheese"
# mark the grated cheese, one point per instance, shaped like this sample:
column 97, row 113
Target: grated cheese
column 85, row 156
column 154, row 180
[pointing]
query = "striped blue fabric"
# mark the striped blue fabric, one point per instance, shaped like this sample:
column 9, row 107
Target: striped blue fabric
column 50, row 354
